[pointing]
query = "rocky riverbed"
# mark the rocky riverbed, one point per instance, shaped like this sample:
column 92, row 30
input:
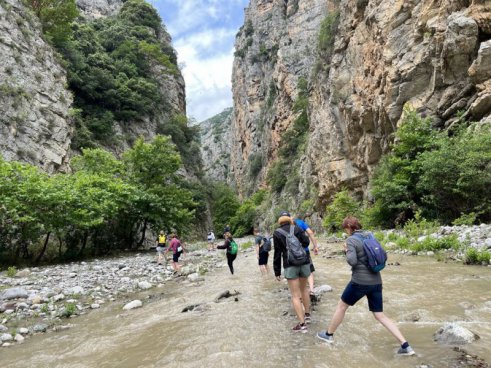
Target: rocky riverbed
column 42, row 299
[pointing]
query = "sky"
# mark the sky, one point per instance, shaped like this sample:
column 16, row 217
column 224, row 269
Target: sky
column 203, row 34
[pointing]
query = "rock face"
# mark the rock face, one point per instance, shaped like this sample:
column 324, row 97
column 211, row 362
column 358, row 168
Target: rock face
column 216, row 144
column 35, row 125
column 35, row 122
column 384, row 55
column 99, row 8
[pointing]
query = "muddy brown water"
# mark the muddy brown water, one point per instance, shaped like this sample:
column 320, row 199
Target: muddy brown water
column 420, row 295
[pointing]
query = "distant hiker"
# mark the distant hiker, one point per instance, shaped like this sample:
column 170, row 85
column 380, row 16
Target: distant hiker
column 231, row 246
column 210, row 237
column 226, row 229
column 289, row 244
column 160, row 242
column 364, row 282
column 177, row 249
column 263, row 247
column 302, row 225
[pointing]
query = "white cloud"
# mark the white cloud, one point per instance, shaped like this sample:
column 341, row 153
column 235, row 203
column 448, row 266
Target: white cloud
column 203, row 33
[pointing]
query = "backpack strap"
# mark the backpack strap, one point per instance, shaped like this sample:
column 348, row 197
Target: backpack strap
column 282, row 232
column 292, row 229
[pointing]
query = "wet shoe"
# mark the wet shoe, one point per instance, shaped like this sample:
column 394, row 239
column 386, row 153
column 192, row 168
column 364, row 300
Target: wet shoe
column 325, row 337
column 301, row 327
column 308, row 318
column 406, row 351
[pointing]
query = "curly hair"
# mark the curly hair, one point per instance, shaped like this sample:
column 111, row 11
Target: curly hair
column 352, row 223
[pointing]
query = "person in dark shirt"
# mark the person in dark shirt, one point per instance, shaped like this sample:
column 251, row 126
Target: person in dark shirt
column 261, row 253
column 230, row 257
column 295, row 275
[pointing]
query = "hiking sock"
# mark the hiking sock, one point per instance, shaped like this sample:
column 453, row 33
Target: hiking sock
column 328, row 334
column 405, row 345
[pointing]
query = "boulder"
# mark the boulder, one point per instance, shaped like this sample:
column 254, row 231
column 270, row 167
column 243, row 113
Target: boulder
column 40, row 328
column 6, row 337
column 144, row 285
column 23, row 273
column 19, row 338
column 322, row 289
column 133, row 304
column 454, row 334
column 13, row 293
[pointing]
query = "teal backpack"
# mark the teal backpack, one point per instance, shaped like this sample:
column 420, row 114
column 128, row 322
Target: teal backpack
column 233, row 247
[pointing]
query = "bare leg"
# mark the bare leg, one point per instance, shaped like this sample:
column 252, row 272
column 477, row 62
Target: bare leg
column 296, row 293
column 389, row 325
column 311, row 282
column 337, row 317
column 305, row 295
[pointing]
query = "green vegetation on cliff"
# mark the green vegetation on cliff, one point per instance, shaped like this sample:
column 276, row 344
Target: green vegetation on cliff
column 441, row 176
column 112, row 65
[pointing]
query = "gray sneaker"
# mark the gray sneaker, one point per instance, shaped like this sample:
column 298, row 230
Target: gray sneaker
column 407, row 351
column 325, row 337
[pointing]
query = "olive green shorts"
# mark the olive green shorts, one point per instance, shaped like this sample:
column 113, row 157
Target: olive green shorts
column 294, row 272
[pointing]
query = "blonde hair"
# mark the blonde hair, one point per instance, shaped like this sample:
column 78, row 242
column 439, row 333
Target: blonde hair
column 285, row 220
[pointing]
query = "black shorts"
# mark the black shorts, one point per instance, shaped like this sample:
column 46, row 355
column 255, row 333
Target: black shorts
column 354, row 292
column 175, row 256
column 263, row 258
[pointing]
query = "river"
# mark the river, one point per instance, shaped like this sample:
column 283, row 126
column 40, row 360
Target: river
column 420, row 294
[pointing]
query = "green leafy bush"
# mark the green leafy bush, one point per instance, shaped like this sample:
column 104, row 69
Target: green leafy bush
column 11, row 271
column 465, row 219
column 440, row 174
column 343, row 205
column 475, row 256
column 69, row 310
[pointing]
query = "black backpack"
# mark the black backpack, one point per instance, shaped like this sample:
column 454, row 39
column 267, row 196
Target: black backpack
column 296, row 254
column 266, row 247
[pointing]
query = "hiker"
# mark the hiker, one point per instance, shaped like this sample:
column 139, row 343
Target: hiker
column 177, row 249
column 226, row 229
column 364, row 282
column 211, row 240
column 296, row 275
column 310, row 233
column 263, row 246
column 160, row 242
column 231, row 246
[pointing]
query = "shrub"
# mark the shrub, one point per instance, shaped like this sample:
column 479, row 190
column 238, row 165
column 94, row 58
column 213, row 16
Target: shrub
column 420, row 226
column 255, row 164
column 474, row 256
column 465, row 219
column 11, row 271
column 343, row 205
column 69, row 310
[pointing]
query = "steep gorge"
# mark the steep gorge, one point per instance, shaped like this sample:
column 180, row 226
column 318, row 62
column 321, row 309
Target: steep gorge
column 378, row 58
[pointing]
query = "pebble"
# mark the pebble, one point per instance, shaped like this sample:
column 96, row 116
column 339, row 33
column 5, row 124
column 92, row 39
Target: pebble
column 132, row 305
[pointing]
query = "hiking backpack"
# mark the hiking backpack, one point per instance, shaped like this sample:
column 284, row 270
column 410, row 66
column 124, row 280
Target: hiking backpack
column 376, row 255
column 266, row 247
column 233, row 247
column 296, row 254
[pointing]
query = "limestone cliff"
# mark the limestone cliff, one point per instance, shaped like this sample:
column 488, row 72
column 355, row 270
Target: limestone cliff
column 34, row 101
column 35, row 122
column 216, row 144
column 435, row 56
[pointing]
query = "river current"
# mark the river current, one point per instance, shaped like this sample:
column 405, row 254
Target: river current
column 420, row 294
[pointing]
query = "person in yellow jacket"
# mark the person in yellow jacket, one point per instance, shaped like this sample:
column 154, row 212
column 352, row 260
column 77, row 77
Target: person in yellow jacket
column 160, row 242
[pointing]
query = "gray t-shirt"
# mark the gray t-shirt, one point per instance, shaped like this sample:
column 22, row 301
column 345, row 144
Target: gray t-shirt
column 356, row 258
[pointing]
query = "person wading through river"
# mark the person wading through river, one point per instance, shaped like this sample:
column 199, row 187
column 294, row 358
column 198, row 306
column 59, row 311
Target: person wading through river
column 364, row 282
column 231, row 246
column 296, row 275
column 263, row 246
column 160, row 242
column 310, row 233
column 177, row 249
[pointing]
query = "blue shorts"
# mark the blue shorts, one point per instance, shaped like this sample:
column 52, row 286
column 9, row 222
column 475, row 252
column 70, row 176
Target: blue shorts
column 354, row 292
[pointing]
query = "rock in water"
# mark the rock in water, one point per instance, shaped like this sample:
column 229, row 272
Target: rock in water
column 132, row 305
column 454, row 334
